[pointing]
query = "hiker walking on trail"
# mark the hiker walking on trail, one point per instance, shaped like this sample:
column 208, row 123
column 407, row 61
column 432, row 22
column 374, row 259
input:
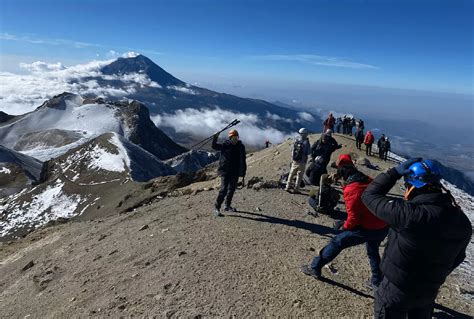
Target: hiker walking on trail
column 299, row 156
column 267, row 144
column 360, row 227
column 380, row 143
column 329, row 123
column 368, row 141
column 427, row 240
column 232, row 165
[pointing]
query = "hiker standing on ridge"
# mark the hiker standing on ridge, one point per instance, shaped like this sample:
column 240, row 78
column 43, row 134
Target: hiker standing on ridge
column 299, row 156
column 380, row 143
column 360, row 227
column 427, row 240
column 267, row 143
column 359, row 135
column 232, row 165
column 329, row 123
column 385, row 148
column 324, row 147
column 338, row 125
column 368, row 141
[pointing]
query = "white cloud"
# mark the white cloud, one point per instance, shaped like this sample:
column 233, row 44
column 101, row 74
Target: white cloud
column 205, row 122
column 182, row 89
column 306, row 116
column 130, row 54
column 40, row 66
column 23, row 93
column 313, row 59
column 277, row 117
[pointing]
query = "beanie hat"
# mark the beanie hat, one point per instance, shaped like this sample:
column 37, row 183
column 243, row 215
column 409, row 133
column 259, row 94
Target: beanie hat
column 343, row 160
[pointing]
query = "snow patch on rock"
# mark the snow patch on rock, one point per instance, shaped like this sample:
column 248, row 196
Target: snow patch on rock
column 49, row 205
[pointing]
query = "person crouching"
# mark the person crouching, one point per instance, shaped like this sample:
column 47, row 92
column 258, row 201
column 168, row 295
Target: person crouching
column 360, row 227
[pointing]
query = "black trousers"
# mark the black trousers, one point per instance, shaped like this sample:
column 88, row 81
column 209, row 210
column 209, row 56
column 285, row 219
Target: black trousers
column 393, row 303
column 228, row 186
column 368, row 149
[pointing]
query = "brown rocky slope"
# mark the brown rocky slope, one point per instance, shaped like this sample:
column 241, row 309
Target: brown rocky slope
column 170, row 258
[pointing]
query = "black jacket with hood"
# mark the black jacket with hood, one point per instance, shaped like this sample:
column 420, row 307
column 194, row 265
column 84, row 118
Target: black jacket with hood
column 232, row 159
column 427, row 239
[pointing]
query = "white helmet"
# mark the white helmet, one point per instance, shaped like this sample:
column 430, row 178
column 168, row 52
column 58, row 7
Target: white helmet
column 303, row 131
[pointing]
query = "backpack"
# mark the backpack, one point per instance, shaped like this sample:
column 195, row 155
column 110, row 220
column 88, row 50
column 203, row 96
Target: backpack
column 298, row 148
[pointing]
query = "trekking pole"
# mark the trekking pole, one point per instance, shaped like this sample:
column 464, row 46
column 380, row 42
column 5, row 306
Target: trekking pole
column 319, row 191
column 207, row 139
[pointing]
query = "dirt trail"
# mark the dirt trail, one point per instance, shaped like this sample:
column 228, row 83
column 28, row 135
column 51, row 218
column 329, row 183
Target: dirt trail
column 187, row 264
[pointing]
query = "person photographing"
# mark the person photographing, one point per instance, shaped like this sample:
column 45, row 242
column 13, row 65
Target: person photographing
column 427, row 240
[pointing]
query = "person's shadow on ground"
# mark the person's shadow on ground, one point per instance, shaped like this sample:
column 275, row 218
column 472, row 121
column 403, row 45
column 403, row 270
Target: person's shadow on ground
column 314, row 228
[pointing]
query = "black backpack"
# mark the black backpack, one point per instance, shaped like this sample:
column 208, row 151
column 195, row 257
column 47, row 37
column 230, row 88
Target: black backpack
column 298, row 148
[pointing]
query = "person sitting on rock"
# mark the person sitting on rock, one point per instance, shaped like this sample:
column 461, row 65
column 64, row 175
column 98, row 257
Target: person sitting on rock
column 326, row 198
column 232, row 165
column 299, row 156
column 360, row 227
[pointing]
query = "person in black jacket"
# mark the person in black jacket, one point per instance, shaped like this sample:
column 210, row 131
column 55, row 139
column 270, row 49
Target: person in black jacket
column 232, row 165
column 428, row 237
column 324, row 147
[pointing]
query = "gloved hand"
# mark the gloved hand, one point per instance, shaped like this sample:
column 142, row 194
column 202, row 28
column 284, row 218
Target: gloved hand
column 338, row 224
column 215, row 136
column 402, row 169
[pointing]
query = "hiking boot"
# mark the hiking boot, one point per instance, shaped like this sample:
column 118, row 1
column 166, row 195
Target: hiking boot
column 313, row 272
column 217, row 212
column 230, row 209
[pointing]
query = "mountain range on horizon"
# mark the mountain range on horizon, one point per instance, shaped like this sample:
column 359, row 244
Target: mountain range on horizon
column 179, row 109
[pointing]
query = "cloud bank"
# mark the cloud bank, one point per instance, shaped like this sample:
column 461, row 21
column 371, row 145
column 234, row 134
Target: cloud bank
column 205, row 122
column 313, row 59
column 23, row 93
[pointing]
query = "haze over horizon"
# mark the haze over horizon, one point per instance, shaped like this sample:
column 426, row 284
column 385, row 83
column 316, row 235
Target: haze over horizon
column 397, row 60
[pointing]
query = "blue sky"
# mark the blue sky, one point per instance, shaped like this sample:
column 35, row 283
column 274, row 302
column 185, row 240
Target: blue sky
column 422, row 45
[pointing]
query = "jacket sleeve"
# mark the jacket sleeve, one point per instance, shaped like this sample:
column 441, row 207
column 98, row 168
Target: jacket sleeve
column 353, row 216
column 216, row 146
column 314, row 150
column 396, row 212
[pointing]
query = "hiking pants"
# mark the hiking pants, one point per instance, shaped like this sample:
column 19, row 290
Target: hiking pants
column 391, row 302
column 297, row 169
column 358, row 143
column 349, row 238
column 228, row 186
column 368, row 149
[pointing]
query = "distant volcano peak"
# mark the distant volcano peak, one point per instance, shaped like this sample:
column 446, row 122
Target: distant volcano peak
column 141, row 64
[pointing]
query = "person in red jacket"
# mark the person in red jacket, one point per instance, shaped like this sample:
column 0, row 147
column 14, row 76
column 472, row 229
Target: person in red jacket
column 368, row 141
column 329, row 123
column 360, row 227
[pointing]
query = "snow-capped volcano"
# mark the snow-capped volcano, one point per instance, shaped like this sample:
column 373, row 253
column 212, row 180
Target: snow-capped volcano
column 142, row 65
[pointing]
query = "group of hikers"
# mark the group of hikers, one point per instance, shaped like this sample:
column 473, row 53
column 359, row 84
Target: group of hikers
column 427, row 231
column 348, row 123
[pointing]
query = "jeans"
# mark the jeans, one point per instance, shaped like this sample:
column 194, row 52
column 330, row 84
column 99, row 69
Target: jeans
column 228, row 186
column 349, row 238
column 393, row 303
